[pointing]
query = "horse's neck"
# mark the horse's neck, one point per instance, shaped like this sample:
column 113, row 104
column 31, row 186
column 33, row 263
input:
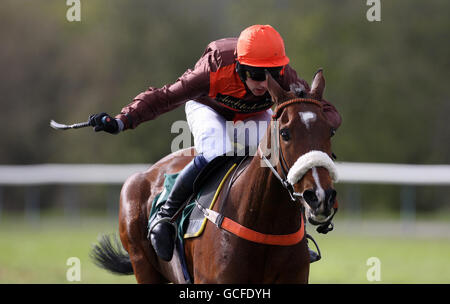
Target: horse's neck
column 259, row 201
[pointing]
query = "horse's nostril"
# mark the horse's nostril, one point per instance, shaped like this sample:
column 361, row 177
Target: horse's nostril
column 330, row 197
column 311, row 198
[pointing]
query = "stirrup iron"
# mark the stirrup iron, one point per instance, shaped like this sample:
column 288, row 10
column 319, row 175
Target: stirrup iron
column 319, row 255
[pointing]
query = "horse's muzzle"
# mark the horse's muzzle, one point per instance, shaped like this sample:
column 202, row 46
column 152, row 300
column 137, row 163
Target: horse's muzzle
column 319, row 205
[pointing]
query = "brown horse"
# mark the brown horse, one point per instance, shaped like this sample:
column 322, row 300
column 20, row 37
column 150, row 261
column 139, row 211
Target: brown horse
column 268, row 200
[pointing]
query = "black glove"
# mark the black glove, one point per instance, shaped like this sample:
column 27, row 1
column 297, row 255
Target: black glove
column 104, row 122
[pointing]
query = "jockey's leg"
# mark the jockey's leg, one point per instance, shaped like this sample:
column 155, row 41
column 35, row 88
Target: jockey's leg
column 208, row 129
column 162, row 234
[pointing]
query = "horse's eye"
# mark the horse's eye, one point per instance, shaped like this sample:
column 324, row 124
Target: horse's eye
column 333, row 131
column 285, row 134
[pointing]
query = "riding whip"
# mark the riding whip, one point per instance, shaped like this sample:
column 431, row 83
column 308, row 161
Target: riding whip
column 58, row 126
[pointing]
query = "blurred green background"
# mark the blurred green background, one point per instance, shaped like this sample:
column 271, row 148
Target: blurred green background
column 388, row 79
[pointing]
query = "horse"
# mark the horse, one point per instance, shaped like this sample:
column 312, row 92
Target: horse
column 271, row 198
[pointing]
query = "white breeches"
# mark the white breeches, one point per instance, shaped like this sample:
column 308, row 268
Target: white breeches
column 215, row 136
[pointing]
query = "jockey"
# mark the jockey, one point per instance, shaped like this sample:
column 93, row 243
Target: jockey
column 227, row 83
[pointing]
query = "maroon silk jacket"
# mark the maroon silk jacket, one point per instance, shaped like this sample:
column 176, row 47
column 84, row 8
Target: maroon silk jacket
column 213, row 82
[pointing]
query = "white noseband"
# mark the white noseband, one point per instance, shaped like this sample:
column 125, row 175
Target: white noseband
column 308, row 161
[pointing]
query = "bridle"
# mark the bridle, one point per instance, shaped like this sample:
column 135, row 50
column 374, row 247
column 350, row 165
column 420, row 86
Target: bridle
column 295, row 196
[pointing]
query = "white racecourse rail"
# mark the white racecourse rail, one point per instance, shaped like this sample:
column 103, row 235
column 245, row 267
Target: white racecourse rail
column 358, row 173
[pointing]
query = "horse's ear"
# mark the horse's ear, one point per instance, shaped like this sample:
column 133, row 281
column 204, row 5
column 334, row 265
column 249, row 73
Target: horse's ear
column 277, row 93
column 318, row 85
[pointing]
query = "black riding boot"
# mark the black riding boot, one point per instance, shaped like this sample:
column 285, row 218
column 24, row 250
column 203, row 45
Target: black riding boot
column 162, row 235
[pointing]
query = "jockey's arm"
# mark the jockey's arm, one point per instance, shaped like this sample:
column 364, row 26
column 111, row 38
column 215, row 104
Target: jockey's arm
column 153, row 102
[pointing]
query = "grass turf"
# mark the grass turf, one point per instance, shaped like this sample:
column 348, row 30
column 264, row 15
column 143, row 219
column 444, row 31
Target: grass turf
column 39, row 253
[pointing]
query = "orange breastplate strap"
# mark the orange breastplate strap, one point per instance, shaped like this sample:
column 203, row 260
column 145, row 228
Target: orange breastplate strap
column 251, row 235
column 262, row 238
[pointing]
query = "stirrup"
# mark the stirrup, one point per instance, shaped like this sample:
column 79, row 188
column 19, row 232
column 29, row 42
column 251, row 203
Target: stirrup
column 318, row 254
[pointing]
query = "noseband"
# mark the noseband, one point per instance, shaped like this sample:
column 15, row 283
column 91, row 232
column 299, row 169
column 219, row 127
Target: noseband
column 303, row 163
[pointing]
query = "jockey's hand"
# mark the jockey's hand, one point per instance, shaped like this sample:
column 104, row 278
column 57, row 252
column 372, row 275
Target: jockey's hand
column 104, row 122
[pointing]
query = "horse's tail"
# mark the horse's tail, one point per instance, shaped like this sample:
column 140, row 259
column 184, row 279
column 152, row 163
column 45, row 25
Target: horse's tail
column 111, row 257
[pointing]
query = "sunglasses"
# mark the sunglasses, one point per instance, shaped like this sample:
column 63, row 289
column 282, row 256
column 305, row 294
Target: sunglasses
column 259, row 73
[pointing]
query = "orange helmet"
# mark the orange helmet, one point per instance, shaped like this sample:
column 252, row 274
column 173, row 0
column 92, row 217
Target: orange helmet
column 261, row 46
